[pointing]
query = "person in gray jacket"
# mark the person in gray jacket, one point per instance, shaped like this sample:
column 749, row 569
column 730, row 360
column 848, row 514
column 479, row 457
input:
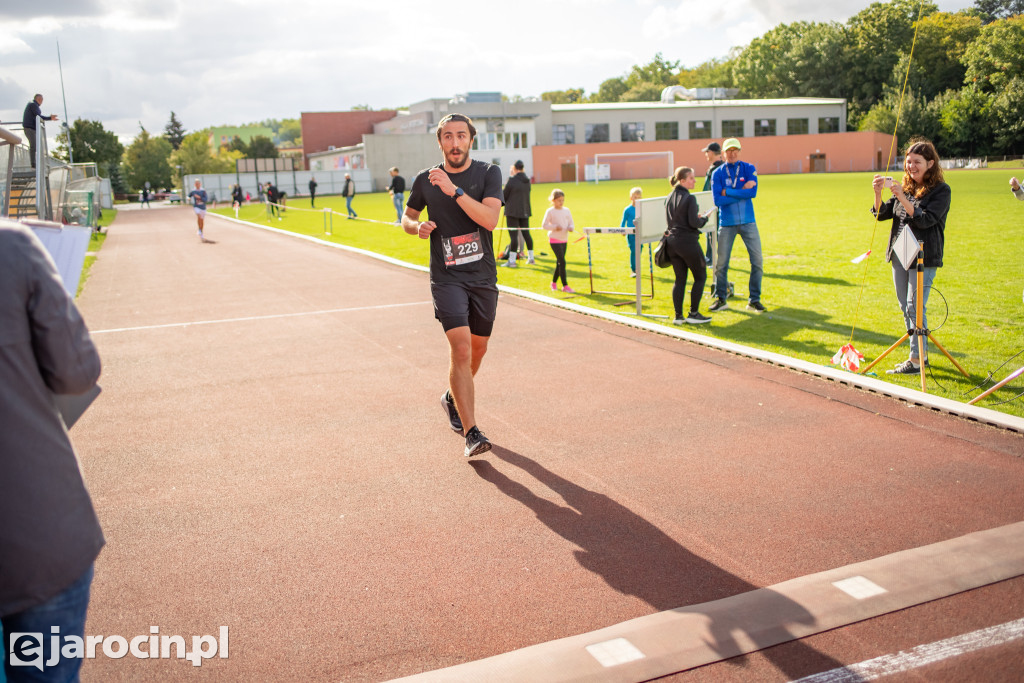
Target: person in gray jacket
column 49, row 533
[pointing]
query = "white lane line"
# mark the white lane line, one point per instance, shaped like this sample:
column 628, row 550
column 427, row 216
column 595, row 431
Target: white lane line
column 922, row 655
column 259, row 317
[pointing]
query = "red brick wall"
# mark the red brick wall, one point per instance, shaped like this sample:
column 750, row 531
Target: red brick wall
column 322, row 129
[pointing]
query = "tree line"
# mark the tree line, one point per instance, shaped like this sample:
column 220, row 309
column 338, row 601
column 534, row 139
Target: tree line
column 163, row 159
column 956, row 78
column 964, row 81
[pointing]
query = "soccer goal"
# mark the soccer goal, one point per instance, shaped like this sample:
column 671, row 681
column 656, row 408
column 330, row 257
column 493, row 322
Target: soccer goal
column 630, row 166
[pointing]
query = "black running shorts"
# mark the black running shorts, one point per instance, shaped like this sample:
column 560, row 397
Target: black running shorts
column 462, row 304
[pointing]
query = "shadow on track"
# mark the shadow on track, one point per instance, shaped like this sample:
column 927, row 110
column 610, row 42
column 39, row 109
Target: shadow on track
column 636, row 558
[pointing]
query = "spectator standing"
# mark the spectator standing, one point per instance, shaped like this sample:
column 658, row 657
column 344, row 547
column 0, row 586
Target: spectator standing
column 28, row 123
column 920, row 204
column 312, row 192
column 629, row 221
column 734, row 185
column 517, row 213
column 713, row 153
column 49, row 533
column 558, row 222
column 397, row 191
column 349, row 191
column 684, row 224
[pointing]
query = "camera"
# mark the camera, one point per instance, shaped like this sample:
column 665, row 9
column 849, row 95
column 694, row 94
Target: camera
column 887, row 181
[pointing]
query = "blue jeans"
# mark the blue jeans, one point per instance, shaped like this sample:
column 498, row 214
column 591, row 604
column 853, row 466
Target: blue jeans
column 67, row 611
column 398, row 200
column 348, row 205
column 752, row 240
column 905, row 282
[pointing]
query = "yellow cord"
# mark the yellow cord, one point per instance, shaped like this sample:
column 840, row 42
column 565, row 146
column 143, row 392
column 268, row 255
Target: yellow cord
column 888, row 164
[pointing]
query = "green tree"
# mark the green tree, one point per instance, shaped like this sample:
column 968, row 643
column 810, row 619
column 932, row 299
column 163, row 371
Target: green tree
column 91, row 142
column 966, row 127
column 942, row 40
column 990, row 10
column 610, row 90
column 570, row 96
column 644, row 91
column 714, row 73
column 876, row 38
column 290, row 130
column 916, row 118
column 147, row 159
column 195, row 156
column 993, row 59
column 174, row 132
column 261, row 147
column 237, row 144
column 1007, row 117
column 658, row 71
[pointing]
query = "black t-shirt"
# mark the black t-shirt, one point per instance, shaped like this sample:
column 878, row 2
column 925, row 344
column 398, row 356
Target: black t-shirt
column 479, row 181
column 397, row 184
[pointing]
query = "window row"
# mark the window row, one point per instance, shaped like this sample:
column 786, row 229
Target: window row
column 565, row 134
column 500, row 141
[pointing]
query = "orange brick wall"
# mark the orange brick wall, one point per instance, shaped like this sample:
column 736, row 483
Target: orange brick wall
column 858, row 151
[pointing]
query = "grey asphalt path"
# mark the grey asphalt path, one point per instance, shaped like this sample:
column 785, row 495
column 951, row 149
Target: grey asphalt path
column 269, row 454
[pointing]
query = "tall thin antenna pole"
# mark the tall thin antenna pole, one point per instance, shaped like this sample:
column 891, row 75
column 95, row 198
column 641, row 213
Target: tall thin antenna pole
column 67, row 126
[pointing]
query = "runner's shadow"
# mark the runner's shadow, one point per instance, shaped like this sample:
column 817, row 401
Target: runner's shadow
column 636, row 558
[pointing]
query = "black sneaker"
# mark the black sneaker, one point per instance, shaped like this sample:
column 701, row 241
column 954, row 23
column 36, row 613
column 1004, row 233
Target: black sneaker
column 755, row 306
column 696, row 318
column 451, row 411
column 718, row 305
column 907, row 367
column 476, row 443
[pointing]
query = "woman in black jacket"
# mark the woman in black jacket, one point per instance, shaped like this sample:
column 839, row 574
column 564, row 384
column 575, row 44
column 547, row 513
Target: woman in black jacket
column 919, row 204
column 684, row 224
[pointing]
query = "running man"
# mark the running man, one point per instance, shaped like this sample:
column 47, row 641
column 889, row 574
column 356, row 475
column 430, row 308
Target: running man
column 461, row 196
column 199, row 199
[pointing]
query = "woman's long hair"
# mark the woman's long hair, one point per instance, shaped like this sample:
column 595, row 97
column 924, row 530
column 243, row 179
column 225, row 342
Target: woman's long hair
column 932, row 176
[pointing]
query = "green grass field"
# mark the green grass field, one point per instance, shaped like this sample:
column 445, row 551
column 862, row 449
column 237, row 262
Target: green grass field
column 811, row 226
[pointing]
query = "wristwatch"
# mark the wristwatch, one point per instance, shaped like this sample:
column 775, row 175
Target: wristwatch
column 458, row 193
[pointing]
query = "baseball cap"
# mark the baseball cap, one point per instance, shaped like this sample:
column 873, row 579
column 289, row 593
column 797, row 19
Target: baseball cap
column 713, row 147
column 731, row 143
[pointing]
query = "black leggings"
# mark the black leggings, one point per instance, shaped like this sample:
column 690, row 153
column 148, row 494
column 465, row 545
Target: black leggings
column 686, row 255
column 513, row 234
column 559, row 249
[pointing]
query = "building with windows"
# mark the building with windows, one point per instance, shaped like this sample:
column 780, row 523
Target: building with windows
column 557, row 142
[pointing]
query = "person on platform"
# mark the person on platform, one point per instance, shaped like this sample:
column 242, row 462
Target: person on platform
column 28, row 123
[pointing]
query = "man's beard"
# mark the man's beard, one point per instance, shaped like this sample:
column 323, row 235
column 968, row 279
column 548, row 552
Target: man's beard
column 453, row 164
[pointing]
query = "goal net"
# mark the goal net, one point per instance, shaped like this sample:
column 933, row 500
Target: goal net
column 630, row 166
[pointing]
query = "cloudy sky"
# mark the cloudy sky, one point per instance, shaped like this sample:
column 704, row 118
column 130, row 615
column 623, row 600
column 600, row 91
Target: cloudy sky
column 223, row 62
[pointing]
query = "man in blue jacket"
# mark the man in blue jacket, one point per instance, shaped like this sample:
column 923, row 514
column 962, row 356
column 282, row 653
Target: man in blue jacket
column 734, row 185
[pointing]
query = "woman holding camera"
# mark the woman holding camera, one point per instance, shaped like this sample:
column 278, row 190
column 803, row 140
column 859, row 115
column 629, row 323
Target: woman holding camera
column 919, row 204
column 684, row 250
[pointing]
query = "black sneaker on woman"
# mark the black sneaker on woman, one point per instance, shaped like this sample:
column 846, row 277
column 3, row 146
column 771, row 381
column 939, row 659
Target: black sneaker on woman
column 476, row 443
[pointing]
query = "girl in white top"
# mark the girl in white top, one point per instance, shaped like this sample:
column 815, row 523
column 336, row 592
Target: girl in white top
column 558, row 223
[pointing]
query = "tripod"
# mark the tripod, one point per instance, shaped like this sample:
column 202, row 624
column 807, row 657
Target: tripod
column 918, row 330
